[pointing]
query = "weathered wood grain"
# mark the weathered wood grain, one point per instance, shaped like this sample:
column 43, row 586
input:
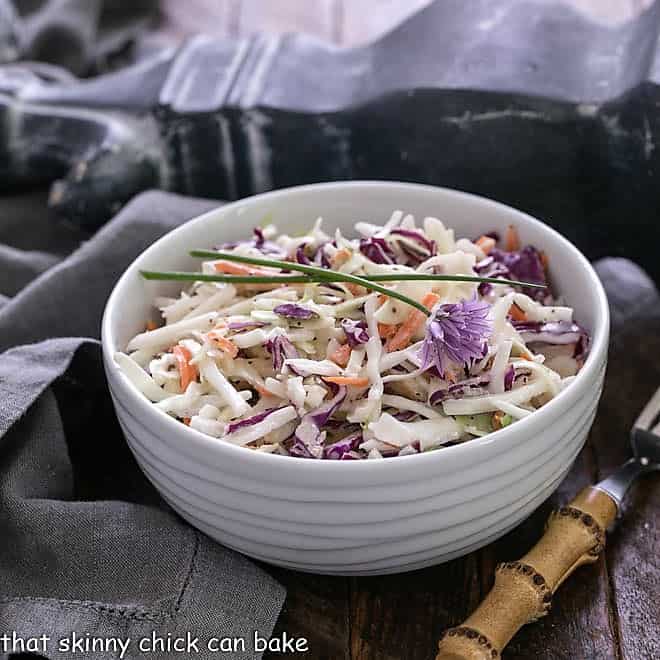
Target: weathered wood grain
column 401, row 616
column 633, row 555
column 317, row 608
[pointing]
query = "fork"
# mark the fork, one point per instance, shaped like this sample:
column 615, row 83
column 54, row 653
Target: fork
column 574, row 535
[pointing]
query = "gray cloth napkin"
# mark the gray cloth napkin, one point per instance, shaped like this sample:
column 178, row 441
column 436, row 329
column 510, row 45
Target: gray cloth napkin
column 87, row 548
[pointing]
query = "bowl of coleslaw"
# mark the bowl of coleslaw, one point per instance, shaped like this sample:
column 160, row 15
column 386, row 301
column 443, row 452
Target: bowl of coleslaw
column 326, row 425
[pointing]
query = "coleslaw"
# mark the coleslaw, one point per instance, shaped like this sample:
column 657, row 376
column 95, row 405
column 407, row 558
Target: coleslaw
column 332, row 370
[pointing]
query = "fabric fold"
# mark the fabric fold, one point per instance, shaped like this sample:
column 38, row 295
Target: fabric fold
column 89, row 552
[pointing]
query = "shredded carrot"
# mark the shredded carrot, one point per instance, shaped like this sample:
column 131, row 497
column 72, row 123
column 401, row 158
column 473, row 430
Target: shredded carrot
column 411, row 325
column 263, row 391
column 186, row 421
column 511, row 239
column 382, row 299
column 347, row 380
column 516, row 313
column 341, row 355
column 545, row 262
column 151, row 325
column 486, row 243
column 387, row 330
column 430, row 299
column 340, row 258
column 355, row 289
column 224, row 344
column 497, row 419
column 187, row 372
column 450, row 375
column 230, row 268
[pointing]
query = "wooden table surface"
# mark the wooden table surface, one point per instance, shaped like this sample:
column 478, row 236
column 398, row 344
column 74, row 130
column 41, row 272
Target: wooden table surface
column 608, row 610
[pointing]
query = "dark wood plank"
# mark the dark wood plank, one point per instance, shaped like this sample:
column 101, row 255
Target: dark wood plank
column 316, row 608
column 402, row 616
column 633, row 552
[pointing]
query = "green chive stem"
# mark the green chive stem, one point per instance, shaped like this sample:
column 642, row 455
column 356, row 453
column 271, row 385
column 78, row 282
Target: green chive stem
column 327, row 273
column 331, row 276
column 314, row 274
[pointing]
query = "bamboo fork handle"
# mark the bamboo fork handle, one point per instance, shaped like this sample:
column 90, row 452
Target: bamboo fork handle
column 522, row 593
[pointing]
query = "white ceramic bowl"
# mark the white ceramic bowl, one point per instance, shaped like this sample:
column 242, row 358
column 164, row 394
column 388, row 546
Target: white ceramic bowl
column 357, row 517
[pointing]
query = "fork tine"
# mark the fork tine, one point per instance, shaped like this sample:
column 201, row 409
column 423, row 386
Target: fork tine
column 649, row 413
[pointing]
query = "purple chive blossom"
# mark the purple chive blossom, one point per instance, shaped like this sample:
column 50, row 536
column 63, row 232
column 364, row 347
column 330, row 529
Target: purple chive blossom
column 455, row 334
column 356, row 332
column 280, row 349
column 297, row 312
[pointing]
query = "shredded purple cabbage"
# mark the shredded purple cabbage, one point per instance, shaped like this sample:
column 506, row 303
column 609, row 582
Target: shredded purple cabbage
column 489, row 267
column 555, row 332
column 469, row 387
column 293, row 311
column 405, row 415
column 509, row 377
column 427, row 245
column 308, row 437
column 281, row 348
column 524, row 265
column 258, row 242
column 336, row 450
column 301, row 257
column 377, row 250
column 320, row 257
column 250, row 421
column 356, row 332
column 244, row 325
